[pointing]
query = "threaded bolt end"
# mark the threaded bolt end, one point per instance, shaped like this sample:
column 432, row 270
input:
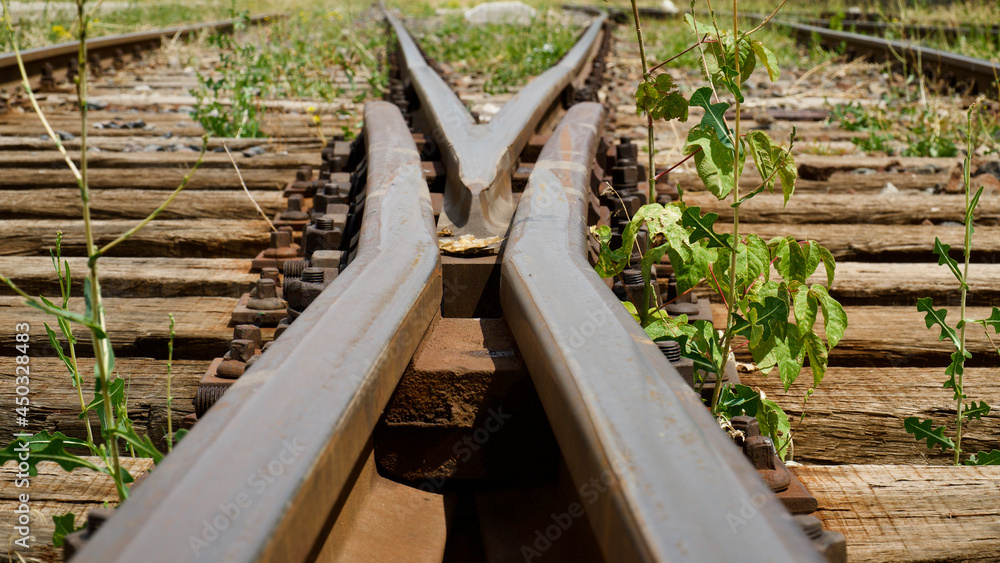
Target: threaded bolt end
column 632, row 276
column 324, row 224
column 293, row 268
column 670, row 349
column 313, row 275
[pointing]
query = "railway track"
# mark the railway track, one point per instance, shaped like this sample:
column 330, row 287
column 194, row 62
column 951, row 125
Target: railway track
column 456, row 406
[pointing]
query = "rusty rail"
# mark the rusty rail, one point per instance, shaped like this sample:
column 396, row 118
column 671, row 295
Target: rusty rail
column 616, row 405
column 105, row 47
column 259, row 476
column 984, row 74
column 479, row 158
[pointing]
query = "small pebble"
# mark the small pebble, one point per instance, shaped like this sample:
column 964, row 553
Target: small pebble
column 254, row 151
column 889, row 189
column 152, row 148
column 97, row 105
column 132, row 147
column 64, row 136
column 863, row 171
column 167, row 135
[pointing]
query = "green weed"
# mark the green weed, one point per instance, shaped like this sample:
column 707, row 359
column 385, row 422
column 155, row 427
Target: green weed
column 965, row 412
column 508, row 55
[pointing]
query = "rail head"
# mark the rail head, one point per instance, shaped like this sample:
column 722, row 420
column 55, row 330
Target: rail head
column 257, row 477
column 480, row 158
column 677, row 488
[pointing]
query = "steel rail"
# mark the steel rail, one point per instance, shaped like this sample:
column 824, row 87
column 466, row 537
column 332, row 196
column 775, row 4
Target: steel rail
column 105, row 46
column 479, row 158
column 250, row 484
column 985, row 73
column 678, row 489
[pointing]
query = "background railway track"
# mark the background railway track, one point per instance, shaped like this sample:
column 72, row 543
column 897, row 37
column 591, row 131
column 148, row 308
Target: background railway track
column 195, row 264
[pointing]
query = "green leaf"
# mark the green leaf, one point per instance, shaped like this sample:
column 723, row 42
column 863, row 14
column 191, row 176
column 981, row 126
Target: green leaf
column 806, row 308
column 660, row 99
column 702, row 228
column 828, row 261
column 766, row 58
column 956, row 368
column 715, row 115
column 714, row 162
column 142, row 444
column 942, row 250
column 116, row 389
column 992, row 321
column 739, row 400
column 666, row 328
column 64, row 314
column 767, row 319
column 834, row 316
column 699, row 28
column 926, row 304
column 65, row 525
column 773, row 162
column 924, row 430
column 818, row 357
column 54, row 341
column 702, row 347
column 48, row 447
column 984, row 458
column 774, row 424
column 972, row 410
column 972, row 207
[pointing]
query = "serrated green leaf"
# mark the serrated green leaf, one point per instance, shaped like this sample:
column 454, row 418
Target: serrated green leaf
column 924, row 430
column 944, row 259
column 116, row 390
column 702, row 227
column 739, row 400
column 699, row 28
column 992, row 321
column 767, row 319
column 766, row 58
column 660, row 98
column 984, row 458
column 774, row 423
column 829, row 263
column 926, row 304
column 806, row 308
column 972, row 410
column 834, row 316
column 715, row 116
column 64, row 526
column 48, row 447
column 713, row 161
column 818, row 357
column 773, row 162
